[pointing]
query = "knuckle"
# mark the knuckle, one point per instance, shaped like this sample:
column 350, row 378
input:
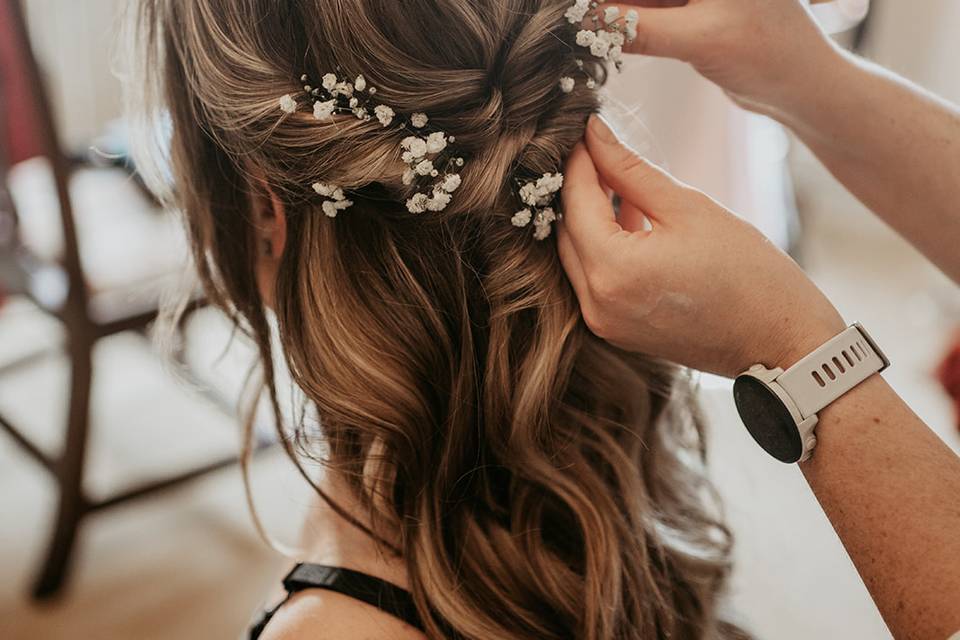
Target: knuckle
column 604, row 286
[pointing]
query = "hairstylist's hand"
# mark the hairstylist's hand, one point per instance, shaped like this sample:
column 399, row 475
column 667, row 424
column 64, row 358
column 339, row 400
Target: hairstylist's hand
column 766, row 54
column 702, row 287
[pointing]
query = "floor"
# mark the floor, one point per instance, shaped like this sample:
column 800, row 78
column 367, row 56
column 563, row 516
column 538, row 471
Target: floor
column 189, row 564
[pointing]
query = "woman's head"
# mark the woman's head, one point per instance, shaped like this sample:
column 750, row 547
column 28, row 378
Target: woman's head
column 537, row 482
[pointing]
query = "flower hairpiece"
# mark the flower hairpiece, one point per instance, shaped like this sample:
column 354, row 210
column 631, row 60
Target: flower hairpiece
column 611, row 30
column 422, row 152
column 427, row 153
column 539, row 195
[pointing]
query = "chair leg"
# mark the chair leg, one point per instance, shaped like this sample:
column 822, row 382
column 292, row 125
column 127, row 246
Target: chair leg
column 72, row 503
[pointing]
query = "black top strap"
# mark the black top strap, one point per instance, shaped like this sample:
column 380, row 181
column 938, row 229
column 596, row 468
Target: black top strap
column 381, row 594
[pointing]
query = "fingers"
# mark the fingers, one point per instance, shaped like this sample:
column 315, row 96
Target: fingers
column 572, row 265
column 632, row 218
column 637, row 181
column 666, row 30
column 587, row 211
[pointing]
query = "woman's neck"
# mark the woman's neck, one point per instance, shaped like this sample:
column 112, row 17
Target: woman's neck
column 328, row 538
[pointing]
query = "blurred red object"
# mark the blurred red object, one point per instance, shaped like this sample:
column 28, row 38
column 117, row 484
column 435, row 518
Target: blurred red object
column 18, row 112
column 949, row 374
column 18, row 127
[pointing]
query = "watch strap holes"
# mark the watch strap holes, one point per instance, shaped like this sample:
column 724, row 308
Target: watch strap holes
column 830, row 374
column 818, row 379
column 838, row 365
column 848, row 358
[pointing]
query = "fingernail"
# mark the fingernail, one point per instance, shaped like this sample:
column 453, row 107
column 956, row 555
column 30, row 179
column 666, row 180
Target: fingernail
column 600, row 128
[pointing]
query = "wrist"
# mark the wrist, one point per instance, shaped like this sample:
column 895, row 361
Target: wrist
column 820, row 75
column 798, row 341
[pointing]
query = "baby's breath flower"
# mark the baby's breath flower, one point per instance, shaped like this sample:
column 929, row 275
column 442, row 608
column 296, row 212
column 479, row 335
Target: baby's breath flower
column 538, row 195
column 420, row 154
column 600, row 47
column 615, row 38
column 541, row 231
column 288, row 104
column 543, row 223
column 451, row 182
column 322, row 110
column 324, row 188
column 424, row 168
column 567, row 84
column 578, row 11
column 630, row 23
column 521, row 218
column 342, row 89
column 384, row 114
column 616, row 53
column 439, row 201
column 585, row 37
column 418, row 203
column 419, row 120
column 336, row 198
column 329, row 208
column 436, row 142
column 416, row 146
column 610, row 14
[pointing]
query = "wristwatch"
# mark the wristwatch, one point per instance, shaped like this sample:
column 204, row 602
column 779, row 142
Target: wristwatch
column 779, row 408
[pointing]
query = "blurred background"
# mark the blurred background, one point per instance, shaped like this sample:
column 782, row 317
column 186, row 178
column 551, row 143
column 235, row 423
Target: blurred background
column 121, row 507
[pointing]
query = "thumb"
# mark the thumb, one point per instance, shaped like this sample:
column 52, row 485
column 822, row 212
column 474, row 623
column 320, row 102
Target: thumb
column 669, row 32
column 636, row 180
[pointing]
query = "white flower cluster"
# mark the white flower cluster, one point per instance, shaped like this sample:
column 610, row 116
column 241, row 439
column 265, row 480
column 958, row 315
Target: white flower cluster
column 338, row 96
column 336, row 198
column 538, row 196
column 605, row 40
column 420, row 154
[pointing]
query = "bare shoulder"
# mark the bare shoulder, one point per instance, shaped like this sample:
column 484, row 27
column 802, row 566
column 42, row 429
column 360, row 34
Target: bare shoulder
column 316, row 614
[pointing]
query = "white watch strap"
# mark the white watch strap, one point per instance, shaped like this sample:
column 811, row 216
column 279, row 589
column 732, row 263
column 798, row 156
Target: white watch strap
column 832, row 370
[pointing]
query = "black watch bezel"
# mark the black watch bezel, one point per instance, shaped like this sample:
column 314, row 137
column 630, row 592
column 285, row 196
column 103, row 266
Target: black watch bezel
column 767, row 419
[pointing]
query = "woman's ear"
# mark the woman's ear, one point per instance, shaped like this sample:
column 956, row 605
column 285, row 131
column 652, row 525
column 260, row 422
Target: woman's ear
column 270, row 228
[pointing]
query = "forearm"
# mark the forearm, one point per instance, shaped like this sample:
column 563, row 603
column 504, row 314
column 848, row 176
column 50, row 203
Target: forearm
column 891, row 489
column 894, row 146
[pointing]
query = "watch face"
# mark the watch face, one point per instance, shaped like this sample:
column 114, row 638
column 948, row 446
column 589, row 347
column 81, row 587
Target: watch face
column 767, row 419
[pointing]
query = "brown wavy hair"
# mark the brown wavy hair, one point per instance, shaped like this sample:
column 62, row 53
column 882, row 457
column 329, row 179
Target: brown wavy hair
column 536, row 481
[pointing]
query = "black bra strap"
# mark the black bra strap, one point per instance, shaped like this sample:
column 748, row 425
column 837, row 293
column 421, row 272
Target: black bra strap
column 381, row 594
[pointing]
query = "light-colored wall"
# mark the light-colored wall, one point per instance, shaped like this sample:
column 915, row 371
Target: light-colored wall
column 75, row 38
column 918, row 39
column 74, row 41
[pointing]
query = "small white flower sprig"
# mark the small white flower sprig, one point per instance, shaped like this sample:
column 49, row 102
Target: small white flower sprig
column 422, row 152
column 605, row 40
column 539, row 196
column 336, row 199
column 422, row 155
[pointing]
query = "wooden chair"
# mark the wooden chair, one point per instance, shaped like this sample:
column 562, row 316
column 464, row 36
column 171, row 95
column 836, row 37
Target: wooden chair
column 88, row 312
